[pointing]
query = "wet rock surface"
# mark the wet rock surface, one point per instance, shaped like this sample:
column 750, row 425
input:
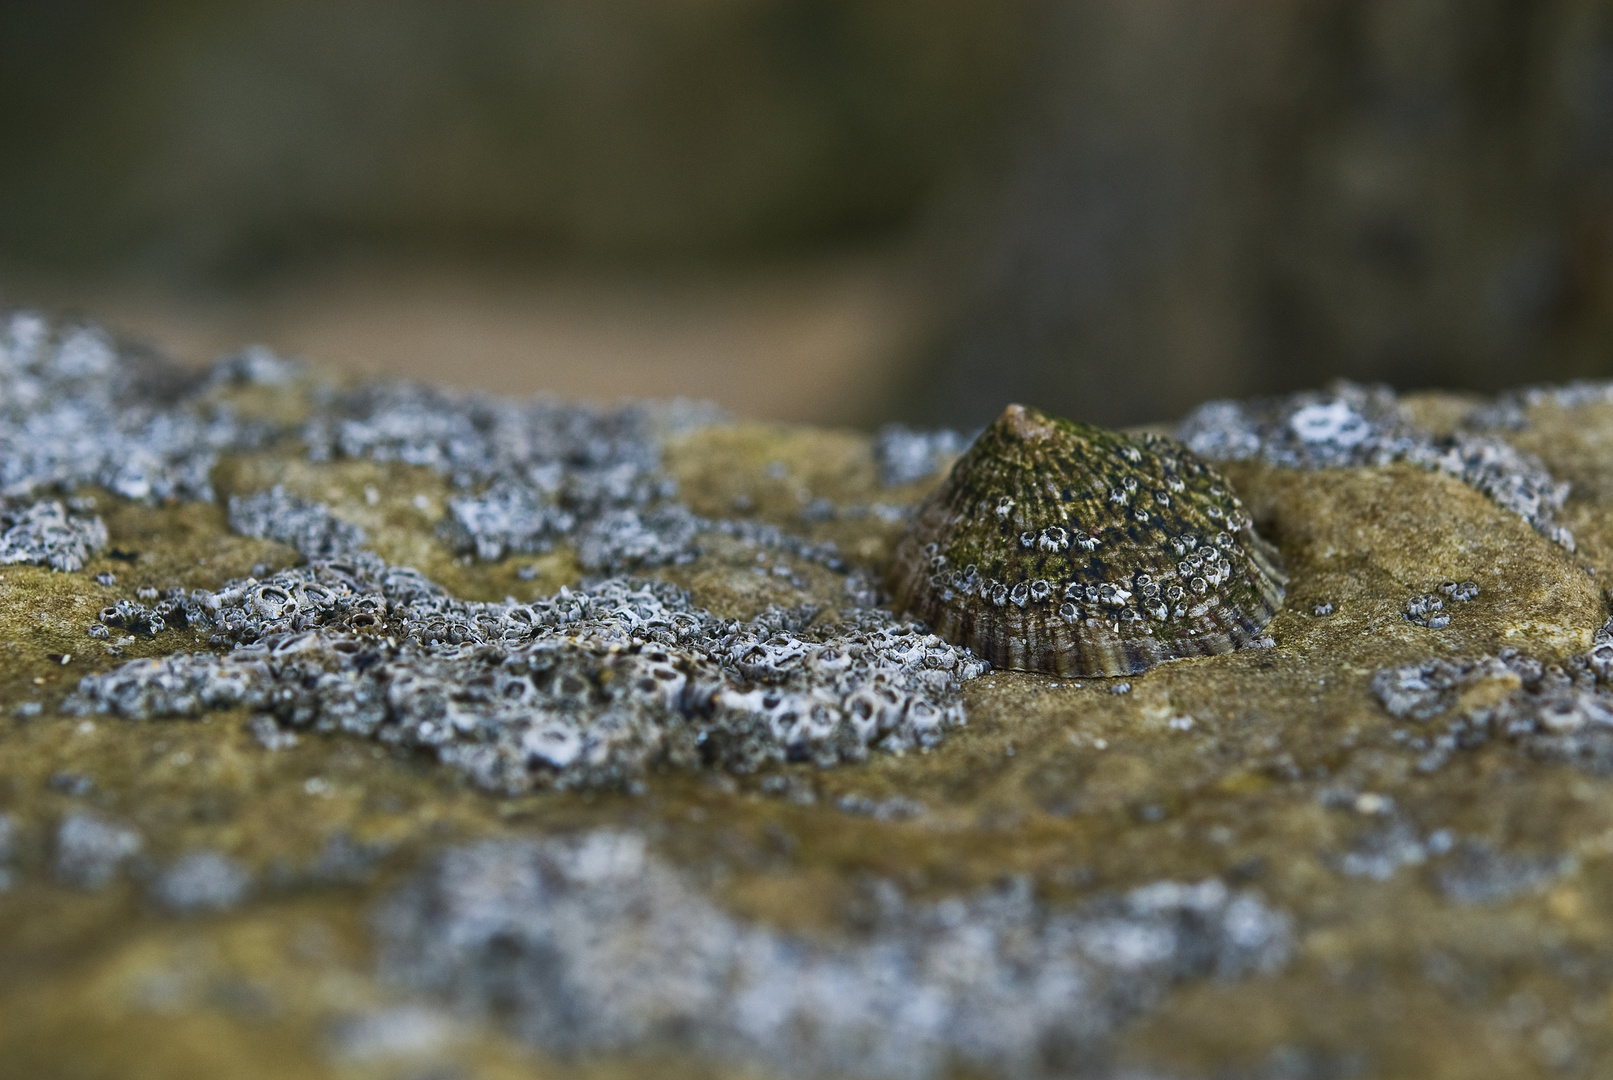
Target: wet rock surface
column 377, row 731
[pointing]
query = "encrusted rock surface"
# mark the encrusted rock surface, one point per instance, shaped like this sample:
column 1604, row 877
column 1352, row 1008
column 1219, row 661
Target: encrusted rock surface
column 369, row 730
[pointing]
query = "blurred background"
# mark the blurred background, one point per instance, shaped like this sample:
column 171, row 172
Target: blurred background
column 837, row 211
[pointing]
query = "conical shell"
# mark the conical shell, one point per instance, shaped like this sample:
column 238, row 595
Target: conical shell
column 1063, row 548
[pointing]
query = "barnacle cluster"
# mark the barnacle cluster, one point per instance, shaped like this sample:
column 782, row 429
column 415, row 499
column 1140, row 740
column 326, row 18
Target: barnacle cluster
column 1507, row 412
column 588, row 687
column 309, row 527
column 1554, row 711
column 531, row 473
column 1366, row 425
column 45, row 533
column 1060, row 547
column 1428, row 609
column 74, row 411
column 591, row 686
column 906, row 456
column 592, row 943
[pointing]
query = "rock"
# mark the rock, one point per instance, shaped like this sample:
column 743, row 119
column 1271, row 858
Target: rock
column 721, row 806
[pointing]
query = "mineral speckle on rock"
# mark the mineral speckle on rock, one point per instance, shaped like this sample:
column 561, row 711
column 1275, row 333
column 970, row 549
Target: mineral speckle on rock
column 1063, row 548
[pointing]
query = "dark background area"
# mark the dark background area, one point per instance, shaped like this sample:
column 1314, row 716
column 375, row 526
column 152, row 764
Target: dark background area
column 832, row 211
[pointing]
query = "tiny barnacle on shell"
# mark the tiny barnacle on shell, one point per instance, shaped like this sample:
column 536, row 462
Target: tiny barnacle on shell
column 1037, row 554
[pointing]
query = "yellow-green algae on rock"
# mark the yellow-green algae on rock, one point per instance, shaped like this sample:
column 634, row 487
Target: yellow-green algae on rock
column 1433, row 888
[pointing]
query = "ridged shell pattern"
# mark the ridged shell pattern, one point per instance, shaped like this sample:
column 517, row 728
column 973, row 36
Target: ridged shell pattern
column 1063, row 548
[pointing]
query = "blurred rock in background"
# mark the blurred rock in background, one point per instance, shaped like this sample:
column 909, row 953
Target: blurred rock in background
column 829, row 210
column 226, row 141
column 1227, row 199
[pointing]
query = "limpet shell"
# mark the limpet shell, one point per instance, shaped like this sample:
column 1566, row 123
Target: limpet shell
column 1059, row 547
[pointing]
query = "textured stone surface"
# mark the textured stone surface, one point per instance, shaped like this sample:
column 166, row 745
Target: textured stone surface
column 1382, row 846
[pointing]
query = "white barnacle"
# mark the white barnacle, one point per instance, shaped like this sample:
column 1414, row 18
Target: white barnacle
column 1113, row 595
column 272, row 602
column 1334, row 422
column 1005, row 506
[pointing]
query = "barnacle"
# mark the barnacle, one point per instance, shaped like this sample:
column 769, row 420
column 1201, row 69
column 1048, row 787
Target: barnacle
column 1063, row 548
column 1349, row 425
